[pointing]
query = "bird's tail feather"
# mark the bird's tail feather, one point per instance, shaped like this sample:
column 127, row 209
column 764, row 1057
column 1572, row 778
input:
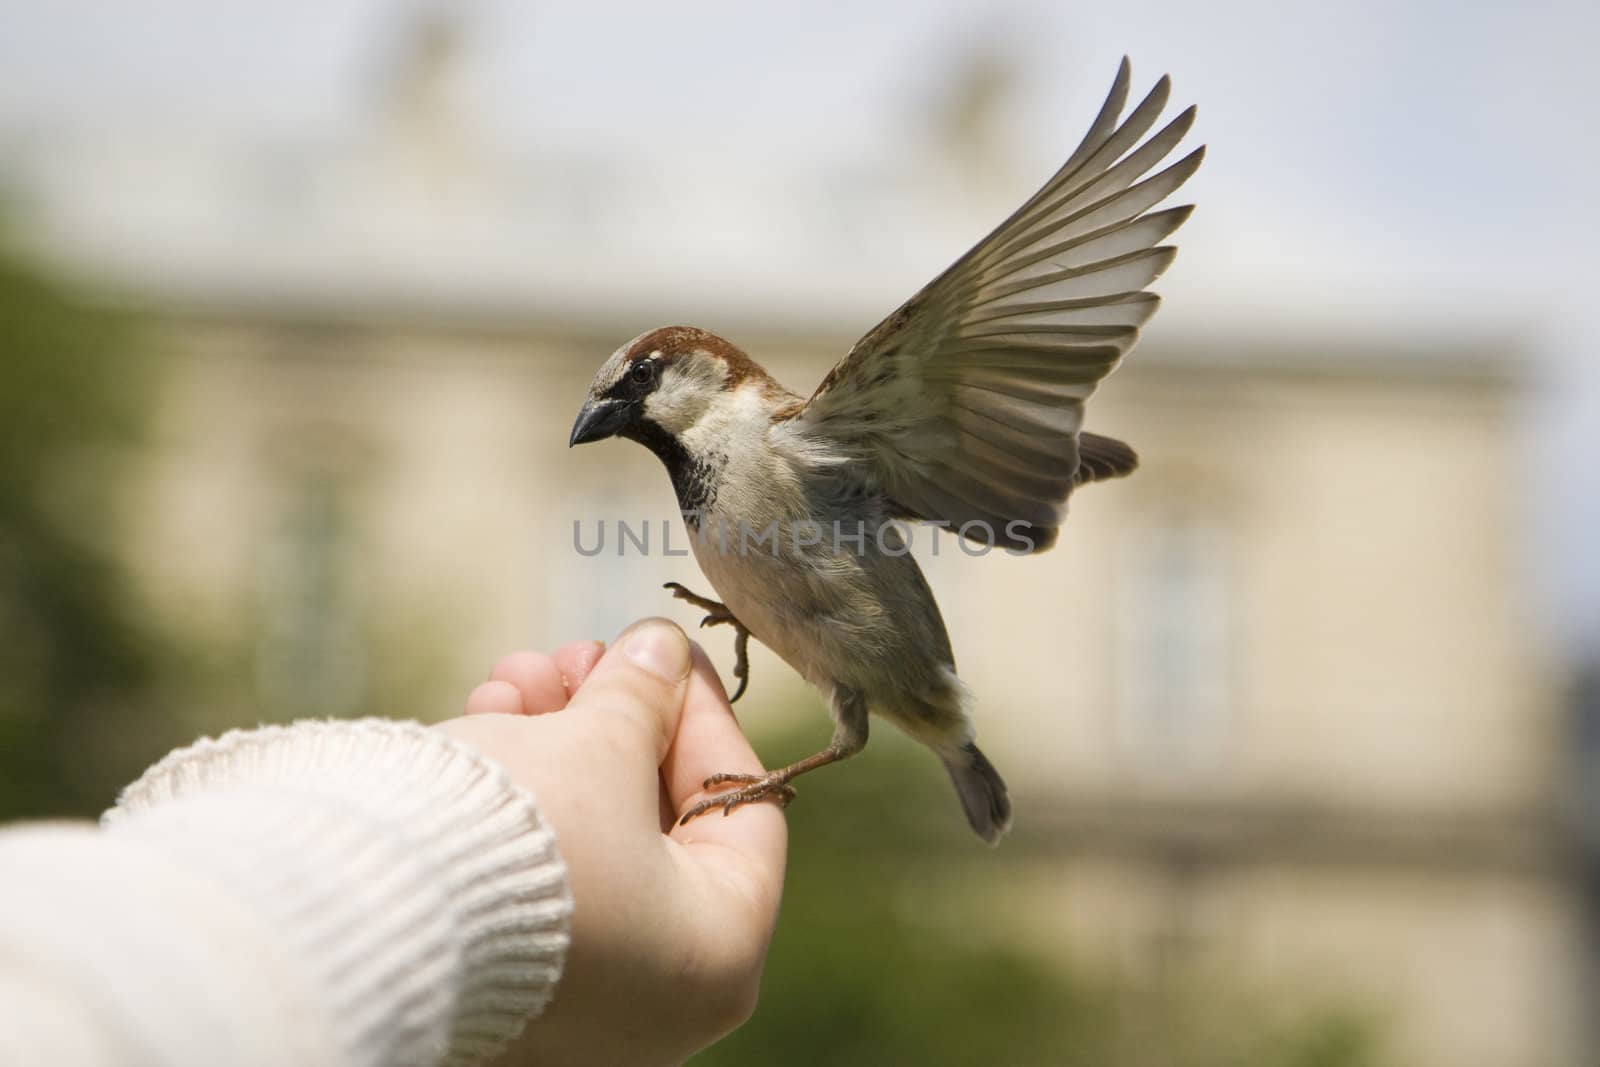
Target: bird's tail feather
column 983, row 793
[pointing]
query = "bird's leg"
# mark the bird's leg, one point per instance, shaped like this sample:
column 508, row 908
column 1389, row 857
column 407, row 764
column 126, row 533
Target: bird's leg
column 849, row 737
column 719, row 613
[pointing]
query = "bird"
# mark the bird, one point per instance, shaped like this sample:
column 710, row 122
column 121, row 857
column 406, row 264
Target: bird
column 963, row 408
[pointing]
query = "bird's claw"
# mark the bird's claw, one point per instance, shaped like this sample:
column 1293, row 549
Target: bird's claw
column 716, row 614
column 680, row 592
column 754, row 787
column 741, row 663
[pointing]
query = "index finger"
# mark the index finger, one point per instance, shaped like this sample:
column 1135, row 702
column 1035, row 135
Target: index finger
column 708, row 741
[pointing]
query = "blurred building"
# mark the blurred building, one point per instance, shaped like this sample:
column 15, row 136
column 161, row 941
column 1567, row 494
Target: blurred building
column 1272, row 709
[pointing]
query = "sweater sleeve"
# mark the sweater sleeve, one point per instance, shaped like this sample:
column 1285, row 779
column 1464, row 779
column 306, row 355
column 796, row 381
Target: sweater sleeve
column 366, row 893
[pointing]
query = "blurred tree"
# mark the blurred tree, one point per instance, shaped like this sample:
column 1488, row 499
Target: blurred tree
column 78, row 670
column 886, row 953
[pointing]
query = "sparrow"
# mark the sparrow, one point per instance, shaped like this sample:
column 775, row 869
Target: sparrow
column 964, row 408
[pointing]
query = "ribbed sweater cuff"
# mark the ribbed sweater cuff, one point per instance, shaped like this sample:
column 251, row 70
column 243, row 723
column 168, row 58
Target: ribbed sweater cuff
column 416, row 882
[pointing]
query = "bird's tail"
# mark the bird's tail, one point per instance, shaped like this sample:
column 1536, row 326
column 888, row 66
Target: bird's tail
column 983, row 794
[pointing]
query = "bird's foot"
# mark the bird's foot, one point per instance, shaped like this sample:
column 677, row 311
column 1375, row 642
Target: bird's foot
column 718, row 611
column 773, row 785
column 716, row 614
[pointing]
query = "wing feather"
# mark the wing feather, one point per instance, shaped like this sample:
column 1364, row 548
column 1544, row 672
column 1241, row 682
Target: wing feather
column 1127, row 310
column 967, row 403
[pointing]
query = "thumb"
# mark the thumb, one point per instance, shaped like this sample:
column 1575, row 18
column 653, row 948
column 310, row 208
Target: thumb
column 638, row 687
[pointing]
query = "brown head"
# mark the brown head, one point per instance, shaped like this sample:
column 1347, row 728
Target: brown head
column 659, row 383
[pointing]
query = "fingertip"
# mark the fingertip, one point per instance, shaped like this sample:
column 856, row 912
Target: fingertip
column 660, row 647
column 536, row 676
column 575, row 660
column 495, row 698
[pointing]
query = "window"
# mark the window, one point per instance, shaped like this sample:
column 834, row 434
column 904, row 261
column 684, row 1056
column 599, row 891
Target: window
column 310, row 655
column 1174, row 645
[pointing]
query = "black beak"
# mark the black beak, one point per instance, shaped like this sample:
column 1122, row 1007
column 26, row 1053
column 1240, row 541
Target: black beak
column 599, row 419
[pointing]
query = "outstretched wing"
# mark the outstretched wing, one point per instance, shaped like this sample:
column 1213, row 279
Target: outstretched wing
column 966, row 403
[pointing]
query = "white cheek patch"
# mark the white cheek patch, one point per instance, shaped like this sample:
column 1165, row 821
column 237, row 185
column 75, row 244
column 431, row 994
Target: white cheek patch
column 686, row 390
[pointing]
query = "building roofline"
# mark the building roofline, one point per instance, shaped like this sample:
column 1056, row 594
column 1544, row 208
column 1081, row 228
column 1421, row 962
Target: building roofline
column 1489, row 356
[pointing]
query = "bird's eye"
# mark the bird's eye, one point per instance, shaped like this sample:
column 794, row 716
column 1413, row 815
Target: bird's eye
column 644, row 372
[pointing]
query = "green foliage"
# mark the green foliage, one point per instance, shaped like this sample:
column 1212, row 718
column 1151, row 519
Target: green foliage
column 77, row 669
column 888, row 952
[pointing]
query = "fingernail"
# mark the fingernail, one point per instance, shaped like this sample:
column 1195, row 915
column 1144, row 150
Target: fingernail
column 660, row 648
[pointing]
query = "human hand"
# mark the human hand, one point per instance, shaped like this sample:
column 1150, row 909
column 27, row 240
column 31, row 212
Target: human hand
column 670, row 923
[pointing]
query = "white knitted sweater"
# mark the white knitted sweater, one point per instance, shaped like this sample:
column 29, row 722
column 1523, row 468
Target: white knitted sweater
column 339, row 893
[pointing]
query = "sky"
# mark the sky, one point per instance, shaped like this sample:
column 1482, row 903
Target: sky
column 1378, row 168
